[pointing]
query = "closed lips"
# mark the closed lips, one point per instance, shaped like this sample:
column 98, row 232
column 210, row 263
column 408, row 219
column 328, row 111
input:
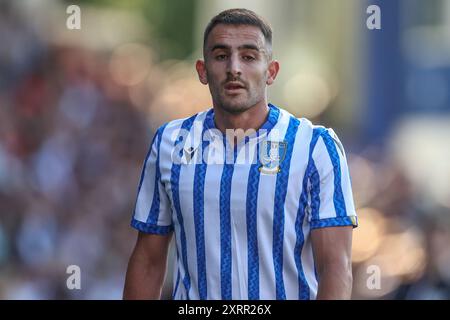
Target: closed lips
column 234, row 85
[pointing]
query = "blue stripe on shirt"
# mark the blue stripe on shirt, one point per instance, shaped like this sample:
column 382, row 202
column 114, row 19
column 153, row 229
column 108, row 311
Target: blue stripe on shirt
column 313, row 175
column 314, row 179
column 199, row 222
column 149, row 152
column 303, row 287
column 251, row 211
column 252, row 233
column 151, row 228
column 174, row 182
column 225, row 231
column 338, row 197
column 278, row 215
column 154, row 209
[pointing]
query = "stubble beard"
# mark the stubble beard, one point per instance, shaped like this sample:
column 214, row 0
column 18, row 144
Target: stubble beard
column 237, row 104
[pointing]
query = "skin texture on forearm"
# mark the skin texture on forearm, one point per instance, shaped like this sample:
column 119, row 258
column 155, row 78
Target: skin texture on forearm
column 143, row 280
column 332, row 256
column 335, row 284
column 146, row 268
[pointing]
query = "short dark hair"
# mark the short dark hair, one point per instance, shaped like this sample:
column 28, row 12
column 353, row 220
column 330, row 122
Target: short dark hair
column 240, row 16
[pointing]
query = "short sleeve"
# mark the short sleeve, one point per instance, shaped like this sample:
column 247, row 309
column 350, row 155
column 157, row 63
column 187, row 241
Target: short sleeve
column 152, row 213
column 330, row 193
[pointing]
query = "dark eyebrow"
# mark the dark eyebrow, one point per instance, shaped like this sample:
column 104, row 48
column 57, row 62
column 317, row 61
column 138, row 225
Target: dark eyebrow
column 248, row 46
column 244, row 46
column 220, row 46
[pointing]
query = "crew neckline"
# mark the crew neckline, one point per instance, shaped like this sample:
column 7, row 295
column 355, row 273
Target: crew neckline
column 271, row 121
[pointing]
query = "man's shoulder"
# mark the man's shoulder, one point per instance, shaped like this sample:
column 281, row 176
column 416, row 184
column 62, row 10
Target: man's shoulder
column 177, row 123
column 312, row 128
column 172, row 128
column 305, row 123
column 185, row 122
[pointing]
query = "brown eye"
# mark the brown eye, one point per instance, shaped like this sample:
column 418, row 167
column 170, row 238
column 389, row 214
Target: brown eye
column 249, row 58
column 221, row 57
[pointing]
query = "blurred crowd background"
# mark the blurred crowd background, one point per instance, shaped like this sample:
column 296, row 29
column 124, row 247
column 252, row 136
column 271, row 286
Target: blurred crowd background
column 78, row 109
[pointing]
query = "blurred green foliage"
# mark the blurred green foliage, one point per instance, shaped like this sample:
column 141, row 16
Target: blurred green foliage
column 171, row 22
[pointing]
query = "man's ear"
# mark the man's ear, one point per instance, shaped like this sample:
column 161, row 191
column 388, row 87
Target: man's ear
column 272, row 71
column 201, row 70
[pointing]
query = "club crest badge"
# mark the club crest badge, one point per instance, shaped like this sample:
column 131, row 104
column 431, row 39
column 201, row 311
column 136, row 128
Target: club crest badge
column 271, row 155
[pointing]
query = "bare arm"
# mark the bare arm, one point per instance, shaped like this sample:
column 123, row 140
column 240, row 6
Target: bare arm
column 147, row 267
column 332, row 255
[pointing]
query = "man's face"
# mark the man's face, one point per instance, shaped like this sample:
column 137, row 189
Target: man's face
column 236, row 67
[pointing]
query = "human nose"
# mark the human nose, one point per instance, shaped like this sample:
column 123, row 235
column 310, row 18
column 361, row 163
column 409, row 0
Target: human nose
column 234, row 66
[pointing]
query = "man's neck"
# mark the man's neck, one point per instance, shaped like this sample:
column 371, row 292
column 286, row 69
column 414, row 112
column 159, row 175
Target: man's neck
column 252, row 118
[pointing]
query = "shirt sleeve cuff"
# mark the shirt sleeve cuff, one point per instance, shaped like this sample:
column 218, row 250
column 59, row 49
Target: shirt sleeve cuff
column 151, row 228
column 335, row 222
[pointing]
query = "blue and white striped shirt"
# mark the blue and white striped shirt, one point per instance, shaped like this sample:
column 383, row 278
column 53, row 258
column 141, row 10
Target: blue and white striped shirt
column 242, row 223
